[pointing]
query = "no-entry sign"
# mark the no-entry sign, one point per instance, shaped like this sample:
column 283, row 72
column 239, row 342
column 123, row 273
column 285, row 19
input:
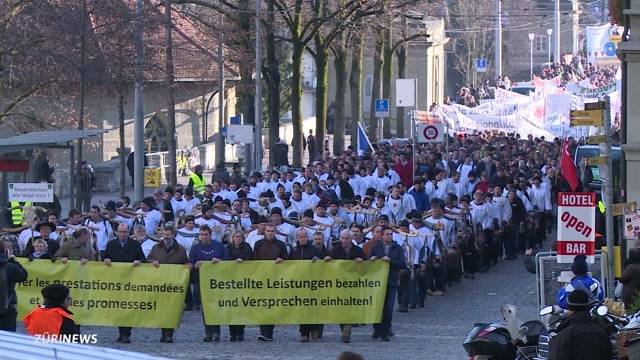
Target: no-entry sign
column 576, row 226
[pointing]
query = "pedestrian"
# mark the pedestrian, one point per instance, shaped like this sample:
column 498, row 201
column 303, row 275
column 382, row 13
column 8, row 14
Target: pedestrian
column 78, row 247
column 311, row 145
column 269, row 248
column 581, row 280
column 304, row 250
column 123, row 249
column 85, row 182
column 346, row 250
column 168, row 251
column 579, row 337
column 11, row 272
column 206, row 250
column 238, row 250
column 53, row 316
column 196, row 181
column 389, row 251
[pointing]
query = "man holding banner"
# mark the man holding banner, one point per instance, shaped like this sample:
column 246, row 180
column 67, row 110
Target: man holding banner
column 269, row 248
column 168, row 251
column 389, row 251
column 123, row 249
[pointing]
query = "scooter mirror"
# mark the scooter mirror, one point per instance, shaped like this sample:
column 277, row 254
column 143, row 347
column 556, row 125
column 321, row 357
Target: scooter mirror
column 546, row 310
column 602, row 310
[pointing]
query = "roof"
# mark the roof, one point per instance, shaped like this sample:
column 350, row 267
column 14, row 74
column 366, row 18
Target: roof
column 17, row 347
column 43, row 139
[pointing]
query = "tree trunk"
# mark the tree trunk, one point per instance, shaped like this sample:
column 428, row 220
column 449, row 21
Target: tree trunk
column 273, row 85
column 387, row 73
column 340, row 65
column 402, row 74
column 123, row 158
column 372, row 130
column 322, row 75
column 171, row 101
column 355, row 87
column 296, row 102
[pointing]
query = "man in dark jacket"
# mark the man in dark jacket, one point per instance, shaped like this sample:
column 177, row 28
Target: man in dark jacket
column 124, row 249
column 579, row 337
column 347, row 251
column 11, row 272
column 269, row 248
column 389, row 251
column 631, row 278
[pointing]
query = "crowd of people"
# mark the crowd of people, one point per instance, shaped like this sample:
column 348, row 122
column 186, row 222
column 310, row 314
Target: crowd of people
column 488, row 199
column 579, row 69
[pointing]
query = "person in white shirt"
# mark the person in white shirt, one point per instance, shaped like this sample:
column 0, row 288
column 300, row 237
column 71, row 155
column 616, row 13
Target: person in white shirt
column 215, row 225
column 320, row 173
column 258, row 234
column 458, row 186
column 437, row 244
column 190, row 201
column 254, row 188
column 297, row 203
column 321, row 217
column 383, row 208
column 382, row 181
column 140, row 234
column 152, row 216
column 411, row 245
column 179, row 204
column 397, row 205
column 309, row 197
column 284, row 232
column 100, row 228
column 188, row 234
column 541, row 201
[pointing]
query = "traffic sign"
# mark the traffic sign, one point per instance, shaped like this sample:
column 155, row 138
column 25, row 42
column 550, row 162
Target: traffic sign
column 481, row 65
column 596, row 139
column 382, row 108
column 236, row 120
column 599, row 160
column 622, row 208
column 576, row 226
column 598, row 105
column 586, row 117
column 430, row 133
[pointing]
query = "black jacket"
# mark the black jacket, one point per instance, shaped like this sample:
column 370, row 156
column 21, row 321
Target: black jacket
column 631, row 280
column 339, row 253
column 131, row 252
column 306, row 252
column 15, row 273
column 52, row 247
column 580, row 338
column 396, row 254
column 243, row 252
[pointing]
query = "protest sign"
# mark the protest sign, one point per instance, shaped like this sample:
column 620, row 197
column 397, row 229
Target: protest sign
column 293, row 292
column 119, row 295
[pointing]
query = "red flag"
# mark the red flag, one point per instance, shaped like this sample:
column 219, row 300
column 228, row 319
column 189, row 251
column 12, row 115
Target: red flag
column 568, row 168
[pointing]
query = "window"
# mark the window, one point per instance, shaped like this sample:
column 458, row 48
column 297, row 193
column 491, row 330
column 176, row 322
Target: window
column 541, row 43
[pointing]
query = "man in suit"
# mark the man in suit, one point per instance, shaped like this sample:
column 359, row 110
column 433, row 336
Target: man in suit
column 123, row 249
column 389, row 251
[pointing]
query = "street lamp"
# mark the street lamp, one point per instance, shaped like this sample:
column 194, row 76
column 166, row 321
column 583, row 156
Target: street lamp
column 549, row 32
column 531, row 37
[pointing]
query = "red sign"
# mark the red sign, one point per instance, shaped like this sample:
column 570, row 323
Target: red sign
column 10, row 165
column 576, row 226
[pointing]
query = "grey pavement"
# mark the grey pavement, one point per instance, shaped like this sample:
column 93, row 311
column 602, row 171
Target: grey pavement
column 435, row 332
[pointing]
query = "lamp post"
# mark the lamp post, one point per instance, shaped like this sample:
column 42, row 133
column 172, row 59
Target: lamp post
column 531, row 37
column 549, row 32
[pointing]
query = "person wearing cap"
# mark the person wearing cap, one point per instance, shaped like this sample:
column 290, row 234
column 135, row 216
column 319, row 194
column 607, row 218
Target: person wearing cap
column 581, row 280
column 579, row 337
column 77, row 247
column 44, row 231
column 123, row 249
column 196, row 181
column 53, row 316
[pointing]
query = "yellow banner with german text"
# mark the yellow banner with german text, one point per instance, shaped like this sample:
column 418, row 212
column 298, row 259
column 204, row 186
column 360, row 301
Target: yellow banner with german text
column 119, row 295
column 293, row 292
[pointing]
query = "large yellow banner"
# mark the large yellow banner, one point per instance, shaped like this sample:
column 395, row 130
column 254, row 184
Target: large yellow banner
column 119, row 295
column 293, row 292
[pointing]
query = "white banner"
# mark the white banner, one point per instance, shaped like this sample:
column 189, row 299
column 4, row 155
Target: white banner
column 31, row 192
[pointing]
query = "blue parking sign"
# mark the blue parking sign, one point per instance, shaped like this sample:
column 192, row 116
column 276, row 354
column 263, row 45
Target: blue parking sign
column 382, row 107
column 481, row 65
